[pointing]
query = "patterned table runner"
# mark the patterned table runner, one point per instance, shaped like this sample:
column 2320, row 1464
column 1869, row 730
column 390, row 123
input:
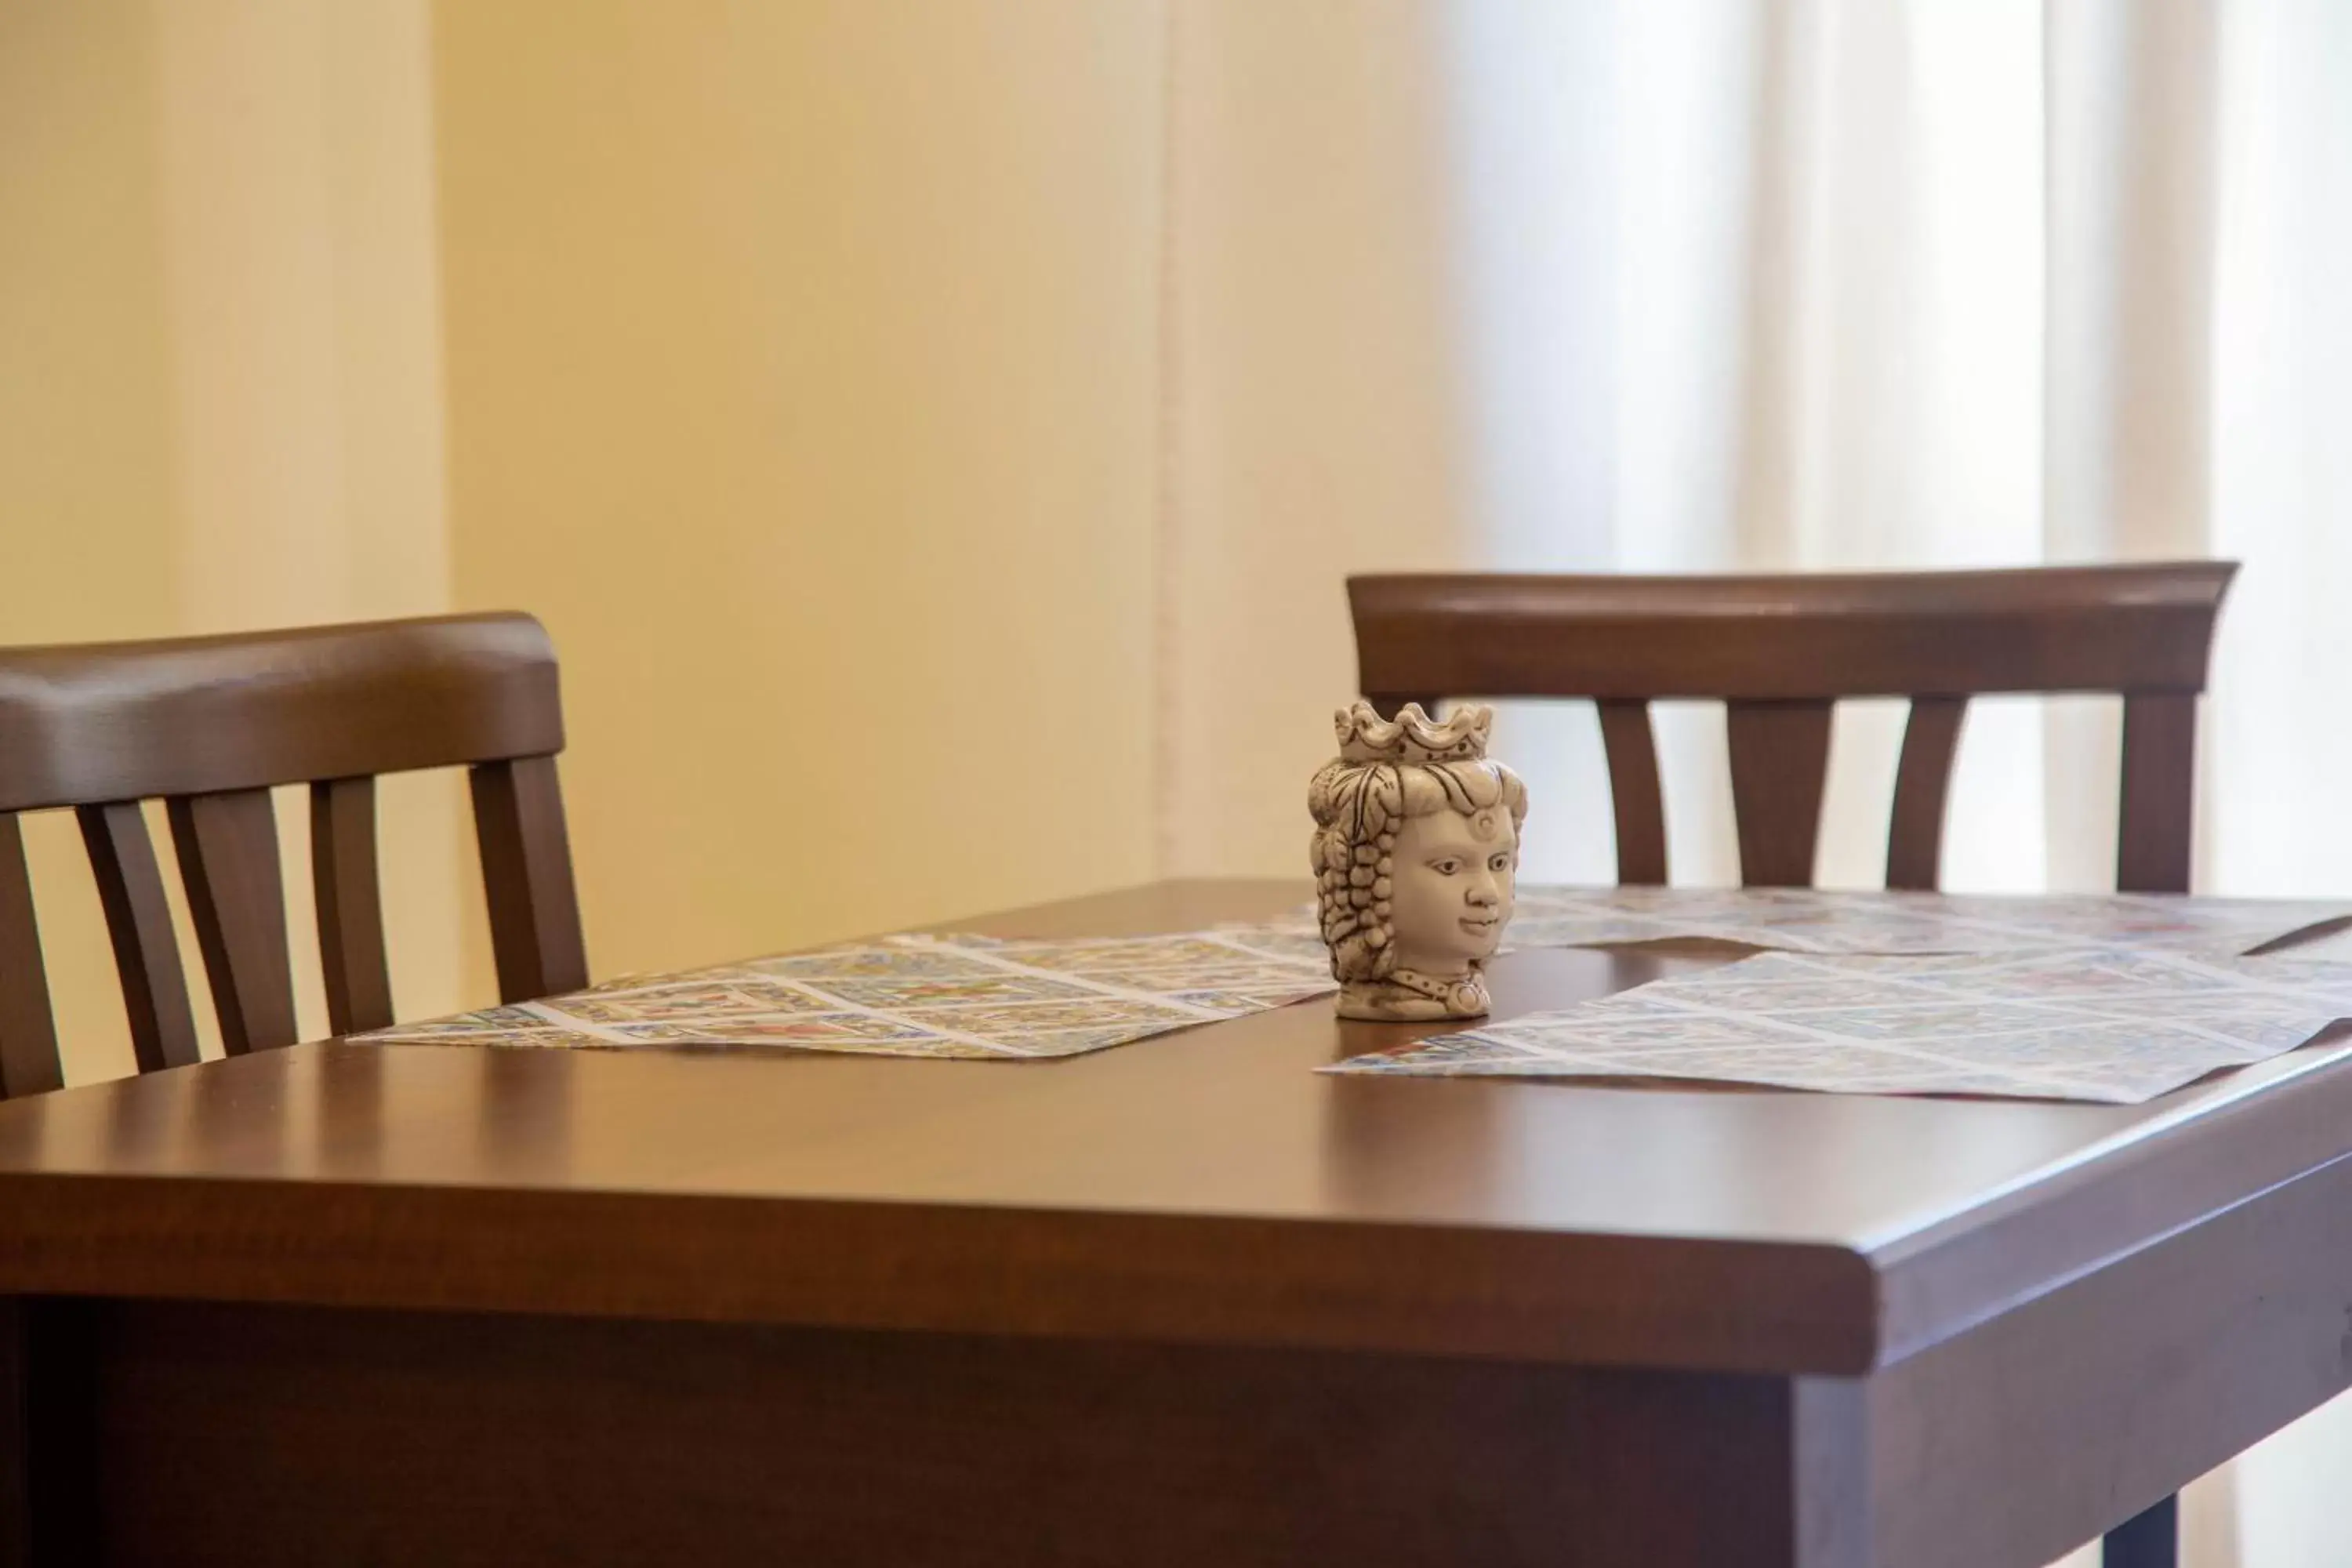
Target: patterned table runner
column 2116, row 1025
column 1810, row 921
column 970, row 996
column 1806, row 919
column 980, row 998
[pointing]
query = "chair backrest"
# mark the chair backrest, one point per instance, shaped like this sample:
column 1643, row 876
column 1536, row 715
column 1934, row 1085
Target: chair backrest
column 208, row 725
column 1779, row 651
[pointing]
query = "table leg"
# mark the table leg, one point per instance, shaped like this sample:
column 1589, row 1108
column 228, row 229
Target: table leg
column 1829, row 1438
column 2150, row 1539
column 47, row 1512
column 15, row 1451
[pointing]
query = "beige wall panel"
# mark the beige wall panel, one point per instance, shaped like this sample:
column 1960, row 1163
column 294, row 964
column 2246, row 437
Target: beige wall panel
column 220, row 384
column 86, row 453
column 802, row 377
column 296, row 154
column 1313, row 392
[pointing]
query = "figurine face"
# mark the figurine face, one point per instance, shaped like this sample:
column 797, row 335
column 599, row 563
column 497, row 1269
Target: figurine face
column 1452, row 888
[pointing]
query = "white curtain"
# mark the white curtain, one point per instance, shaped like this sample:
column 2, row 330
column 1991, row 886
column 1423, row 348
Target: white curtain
column 1668, row 285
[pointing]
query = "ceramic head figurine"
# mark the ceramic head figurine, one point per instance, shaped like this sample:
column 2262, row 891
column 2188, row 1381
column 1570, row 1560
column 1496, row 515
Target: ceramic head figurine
column 1416, row 849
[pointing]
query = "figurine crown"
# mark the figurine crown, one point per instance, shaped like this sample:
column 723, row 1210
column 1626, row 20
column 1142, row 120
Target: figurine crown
column 1413, row 736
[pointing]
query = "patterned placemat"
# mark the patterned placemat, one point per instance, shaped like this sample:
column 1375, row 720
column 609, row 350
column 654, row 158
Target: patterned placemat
column 2116, row 1025
column 1806, row 919
column 968, row 996
column 988, row 998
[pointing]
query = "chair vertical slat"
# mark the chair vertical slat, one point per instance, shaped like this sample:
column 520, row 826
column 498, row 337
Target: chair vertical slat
column 28, row 1032
column 139, row 925
column 2156, row 819
column 1634, row 795
column 1923, row 782
column 527, row 874
column 1779, row 766
column 227, row 844
column 350, row 906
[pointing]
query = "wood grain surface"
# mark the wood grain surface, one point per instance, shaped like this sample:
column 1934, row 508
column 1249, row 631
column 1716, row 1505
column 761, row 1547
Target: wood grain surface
column 1207, row 1185
column 1180, row 1302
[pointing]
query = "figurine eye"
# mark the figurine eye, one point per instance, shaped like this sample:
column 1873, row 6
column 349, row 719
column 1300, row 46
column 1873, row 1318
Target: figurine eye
column 1445, row 867
column 1501, row 862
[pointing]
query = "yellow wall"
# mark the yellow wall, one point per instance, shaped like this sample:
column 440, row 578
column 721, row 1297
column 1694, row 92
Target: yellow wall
column 1314, row 397
column 220, row 383
column 86, row 450
column 802, row 377
column 799, row 364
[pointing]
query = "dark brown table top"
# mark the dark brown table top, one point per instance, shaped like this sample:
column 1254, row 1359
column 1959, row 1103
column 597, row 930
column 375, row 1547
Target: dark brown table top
column 1207, row 1186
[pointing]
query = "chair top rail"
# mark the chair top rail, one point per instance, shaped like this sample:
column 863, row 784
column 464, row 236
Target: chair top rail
column 109, row 721
column 2131, row 629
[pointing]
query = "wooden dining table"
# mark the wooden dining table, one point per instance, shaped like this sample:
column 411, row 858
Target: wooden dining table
column 1186, row 1301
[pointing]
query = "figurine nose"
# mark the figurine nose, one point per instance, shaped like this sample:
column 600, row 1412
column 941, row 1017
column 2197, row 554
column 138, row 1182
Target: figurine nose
column 1483, row 890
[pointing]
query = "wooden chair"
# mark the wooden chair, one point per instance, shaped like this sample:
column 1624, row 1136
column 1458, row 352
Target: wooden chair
column 208, row 725
column 1779, row 651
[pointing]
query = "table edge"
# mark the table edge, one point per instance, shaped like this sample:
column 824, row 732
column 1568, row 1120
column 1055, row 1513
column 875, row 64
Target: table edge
column 1354, row 1285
